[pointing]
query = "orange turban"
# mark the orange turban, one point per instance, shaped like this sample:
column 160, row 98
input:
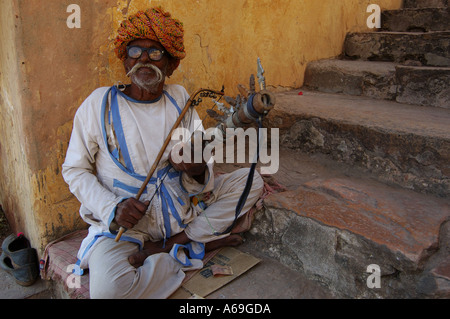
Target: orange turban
column 153, row 24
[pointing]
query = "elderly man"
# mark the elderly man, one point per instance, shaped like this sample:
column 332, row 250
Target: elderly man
column 117, row 133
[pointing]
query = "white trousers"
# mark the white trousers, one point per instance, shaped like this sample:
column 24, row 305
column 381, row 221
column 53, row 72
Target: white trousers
column 111, row 275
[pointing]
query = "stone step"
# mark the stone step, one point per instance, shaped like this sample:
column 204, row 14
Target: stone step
column 429, row 48
column 423, row 85
column 425, row 3
column 402, row 144
column 416, row 20
column 428, row 86
column 333, row 229
column 362, row 78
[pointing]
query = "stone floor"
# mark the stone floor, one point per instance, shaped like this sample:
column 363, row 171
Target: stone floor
column 270, row 280
column 267, row 280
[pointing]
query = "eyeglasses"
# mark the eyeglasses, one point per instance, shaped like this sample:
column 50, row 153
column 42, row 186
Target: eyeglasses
column 154, row 54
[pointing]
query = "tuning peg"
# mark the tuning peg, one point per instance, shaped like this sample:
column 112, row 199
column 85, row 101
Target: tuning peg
column 230, row 100
column 222, row 107
column 238, row 101
column 252, row 85
column 213, row 114
column 243, row 90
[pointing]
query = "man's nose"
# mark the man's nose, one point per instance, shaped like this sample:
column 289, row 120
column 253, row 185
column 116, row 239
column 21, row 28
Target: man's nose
column 144, row 57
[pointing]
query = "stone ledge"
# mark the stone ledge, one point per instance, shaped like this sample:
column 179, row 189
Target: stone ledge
column 333, row 229
column 419, row 85
column 402, row 144
column 427, row 86
column 361, row 78
column 410, row 20
column 426, row 3
column 400, row 47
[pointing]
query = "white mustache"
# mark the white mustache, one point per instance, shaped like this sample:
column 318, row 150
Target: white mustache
column 148, row 85
column 142, row 65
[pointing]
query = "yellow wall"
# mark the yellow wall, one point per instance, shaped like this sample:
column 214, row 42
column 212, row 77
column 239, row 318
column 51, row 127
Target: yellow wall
column 15, row 174
column 47, row 70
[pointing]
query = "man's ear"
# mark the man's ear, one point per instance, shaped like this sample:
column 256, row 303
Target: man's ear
column 173, row 65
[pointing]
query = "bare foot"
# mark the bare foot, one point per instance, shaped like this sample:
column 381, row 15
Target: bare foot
column 137, row 260
column 150, row 248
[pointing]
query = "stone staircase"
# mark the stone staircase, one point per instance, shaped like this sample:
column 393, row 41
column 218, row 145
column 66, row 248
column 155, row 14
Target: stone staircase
column 378, row 119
